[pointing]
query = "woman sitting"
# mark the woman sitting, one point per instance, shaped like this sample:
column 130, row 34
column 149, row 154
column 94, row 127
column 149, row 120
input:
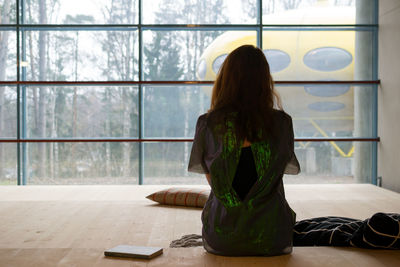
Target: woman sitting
column 244, row 145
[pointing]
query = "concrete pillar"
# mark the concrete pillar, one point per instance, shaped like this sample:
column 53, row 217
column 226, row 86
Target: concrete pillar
column 363, row 95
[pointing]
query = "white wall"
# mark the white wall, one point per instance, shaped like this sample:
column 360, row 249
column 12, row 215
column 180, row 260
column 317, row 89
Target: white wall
column 389, row 94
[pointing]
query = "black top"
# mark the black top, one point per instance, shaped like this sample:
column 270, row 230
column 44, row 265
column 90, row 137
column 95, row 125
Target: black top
column 246, row 173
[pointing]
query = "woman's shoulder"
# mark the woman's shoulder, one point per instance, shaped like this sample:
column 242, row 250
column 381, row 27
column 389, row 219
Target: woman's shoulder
column 281, row 115
column 202, row 116
column 201, row 123
column 202, row 119
column 213, row 117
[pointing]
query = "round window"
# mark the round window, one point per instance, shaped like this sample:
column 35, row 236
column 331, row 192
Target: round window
column 277, row 59
column 326, row 106
column 218, row 62
column 327, row 90
column 201, row 69
column 327, row 58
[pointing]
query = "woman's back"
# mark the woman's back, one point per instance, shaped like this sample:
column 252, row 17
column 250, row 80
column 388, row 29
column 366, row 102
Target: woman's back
column 259, row 223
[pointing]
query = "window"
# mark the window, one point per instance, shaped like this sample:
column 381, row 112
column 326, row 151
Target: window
column 100, row 95
column 327, row 59
column 277, row 59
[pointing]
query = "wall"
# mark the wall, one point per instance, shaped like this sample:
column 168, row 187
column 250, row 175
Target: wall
column 389, row 94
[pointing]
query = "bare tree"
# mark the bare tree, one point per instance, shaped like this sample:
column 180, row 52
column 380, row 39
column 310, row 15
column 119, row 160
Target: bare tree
column 42, row 90
column 269, row 7
column 3, row 63
column 121, row 60
column 32, row 66
column 291, row 4
column 196, row 11
column 249, row 8
column 53, row 151
column 78, row 19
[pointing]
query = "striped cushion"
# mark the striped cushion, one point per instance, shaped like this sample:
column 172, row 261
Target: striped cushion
column 190, row 197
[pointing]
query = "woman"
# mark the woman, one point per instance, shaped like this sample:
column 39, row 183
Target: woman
column 244, row 146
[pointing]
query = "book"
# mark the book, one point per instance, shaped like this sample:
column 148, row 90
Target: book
column 127, row 251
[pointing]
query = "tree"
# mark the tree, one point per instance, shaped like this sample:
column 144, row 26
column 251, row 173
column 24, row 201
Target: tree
column 78, row 19
column 196, row 11
column 58, row 59
column 163, row 61
column 174, row 55
column 42, row 90
column 291, row 4
column 5, row 19
column 121, row 65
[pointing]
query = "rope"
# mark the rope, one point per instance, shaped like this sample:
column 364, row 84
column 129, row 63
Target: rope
column 185, row 241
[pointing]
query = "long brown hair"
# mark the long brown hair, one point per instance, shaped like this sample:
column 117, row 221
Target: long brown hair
column 244, row 86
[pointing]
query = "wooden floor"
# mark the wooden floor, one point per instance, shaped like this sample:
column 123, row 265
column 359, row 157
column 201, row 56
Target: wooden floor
column 73, row 225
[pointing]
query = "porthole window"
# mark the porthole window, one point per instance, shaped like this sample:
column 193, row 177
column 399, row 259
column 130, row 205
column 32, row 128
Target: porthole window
column 327, row 59
column 218, row 62
column 326, row 106
column 277, row 59
column 202, row 69
column 327, row 90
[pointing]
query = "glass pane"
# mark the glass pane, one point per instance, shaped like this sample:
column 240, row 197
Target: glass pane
column 166, row 163
column 318, row 12
column 82, row 163
column 91, row 111
column 321, row 55
column 7, row 12
column 297, row 55
column 189, row 55
column 89, row 12
column 8, row 164
column 82, row 55
column 172, row 111
column 200, row 12
column 8, row 56
column 334, row 110
column 334, row 163
column 8, row 112
column 321, row 162
column 318, row 110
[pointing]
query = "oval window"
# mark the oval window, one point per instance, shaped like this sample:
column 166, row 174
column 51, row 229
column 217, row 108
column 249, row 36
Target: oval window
column 327, row 58
column 201, row 69
column 327, row 90
column 277, row 59
column 326, row 106
column 218, row 62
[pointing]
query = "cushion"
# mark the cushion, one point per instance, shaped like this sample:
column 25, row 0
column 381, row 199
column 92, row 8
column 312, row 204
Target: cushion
column 189, row 197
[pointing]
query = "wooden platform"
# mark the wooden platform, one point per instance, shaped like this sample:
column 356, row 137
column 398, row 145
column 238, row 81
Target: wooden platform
column 73, row 225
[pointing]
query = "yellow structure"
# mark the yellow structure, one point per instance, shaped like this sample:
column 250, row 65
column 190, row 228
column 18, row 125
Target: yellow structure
column 293, row 54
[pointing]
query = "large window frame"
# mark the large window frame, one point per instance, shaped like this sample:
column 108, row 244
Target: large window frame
column 21, row 83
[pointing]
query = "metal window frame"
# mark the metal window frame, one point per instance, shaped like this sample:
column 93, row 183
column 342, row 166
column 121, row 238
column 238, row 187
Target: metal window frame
column 19, row 27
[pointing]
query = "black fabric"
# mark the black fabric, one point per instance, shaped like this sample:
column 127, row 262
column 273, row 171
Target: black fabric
column 246, row 173
column 381, row 231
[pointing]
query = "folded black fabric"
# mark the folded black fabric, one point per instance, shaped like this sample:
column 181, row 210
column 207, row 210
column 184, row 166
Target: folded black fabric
column 381, row 231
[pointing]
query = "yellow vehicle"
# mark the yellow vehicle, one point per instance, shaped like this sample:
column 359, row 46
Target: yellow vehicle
column 306, row 54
